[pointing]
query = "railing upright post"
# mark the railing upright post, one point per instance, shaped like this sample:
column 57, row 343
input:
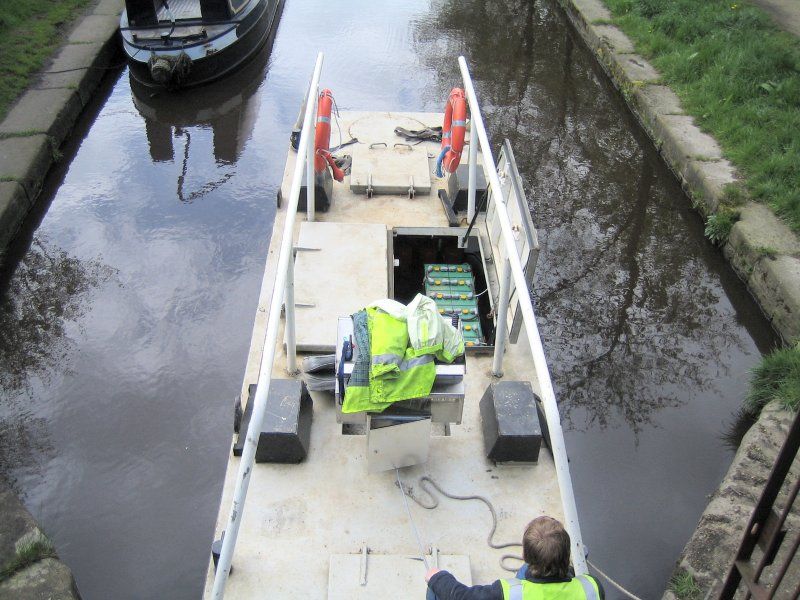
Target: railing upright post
column 473, row 172
column 501, row 331
column 291, row 344
column 311, row 206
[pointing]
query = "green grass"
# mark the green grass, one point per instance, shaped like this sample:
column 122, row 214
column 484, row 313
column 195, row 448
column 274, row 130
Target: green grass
column 739, row 76
column 684, row 586
column 28, row 554
column 776, row 378
column 719, row 225
column 30, row 31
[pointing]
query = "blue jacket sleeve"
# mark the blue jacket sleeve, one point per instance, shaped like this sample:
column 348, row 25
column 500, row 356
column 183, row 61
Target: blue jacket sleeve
column 447, row 587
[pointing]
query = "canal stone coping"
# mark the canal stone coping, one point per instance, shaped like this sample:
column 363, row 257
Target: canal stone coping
column 762, row 249
column 710, row 552
column 47, row 578
column 43, row 117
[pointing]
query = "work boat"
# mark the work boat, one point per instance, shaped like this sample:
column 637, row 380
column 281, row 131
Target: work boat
column 344, row 503
column 177, row 44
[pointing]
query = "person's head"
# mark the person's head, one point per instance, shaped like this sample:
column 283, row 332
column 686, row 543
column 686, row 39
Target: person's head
column 546, row 548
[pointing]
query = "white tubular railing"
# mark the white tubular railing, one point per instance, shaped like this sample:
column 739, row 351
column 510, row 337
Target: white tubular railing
column 270, row 340
column 540, row 364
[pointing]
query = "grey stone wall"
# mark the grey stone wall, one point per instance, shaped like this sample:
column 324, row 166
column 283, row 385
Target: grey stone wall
column 47, row 579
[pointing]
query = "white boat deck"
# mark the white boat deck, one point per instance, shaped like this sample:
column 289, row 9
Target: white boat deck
column 298, row 519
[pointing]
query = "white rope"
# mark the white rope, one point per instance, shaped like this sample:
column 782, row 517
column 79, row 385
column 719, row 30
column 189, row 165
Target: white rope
column 411, row 520
column 425, row 479
column 630, row 595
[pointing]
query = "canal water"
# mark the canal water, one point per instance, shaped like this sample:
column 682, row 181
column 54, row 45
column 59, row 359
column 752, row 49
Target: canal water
column 127, row 305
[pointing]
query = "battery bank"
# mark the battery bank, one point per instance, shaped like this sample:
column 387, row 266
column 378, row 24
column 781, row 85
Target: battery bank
column 452, row 287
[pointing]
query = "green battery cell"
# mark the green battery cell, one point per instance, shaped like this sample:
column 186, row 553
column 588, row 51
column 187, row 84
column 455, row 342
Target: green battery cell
column 452, row 287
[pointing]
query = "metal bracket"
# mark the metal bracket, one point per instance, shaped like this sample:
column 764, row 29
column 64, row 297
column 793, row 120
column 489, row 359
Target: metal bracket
column 362, row 576
column 370, row 191
column 411, row 191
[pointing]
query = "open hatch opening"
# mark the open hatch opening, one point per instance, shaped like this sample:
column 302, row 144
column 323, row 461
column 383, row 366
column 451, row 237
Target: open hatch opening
column 413, row 248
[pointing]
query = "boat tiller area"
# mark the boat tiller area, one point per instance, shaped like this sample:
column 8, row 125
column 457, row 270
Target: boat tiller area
column 405, row 298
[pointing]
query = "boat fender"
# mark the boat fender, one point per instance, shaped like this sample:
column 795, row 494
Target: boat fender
column 322, row 137
column 454, row 130
column 170, row 71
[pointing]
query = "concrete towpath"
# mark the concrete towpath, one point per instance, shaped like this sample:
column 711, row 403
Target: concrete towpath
column 43, row 117
column 785, row 12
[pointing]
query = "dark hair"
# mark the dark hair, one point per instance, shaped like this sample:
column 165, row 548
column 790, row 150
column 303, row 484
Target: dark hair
column 546, row 548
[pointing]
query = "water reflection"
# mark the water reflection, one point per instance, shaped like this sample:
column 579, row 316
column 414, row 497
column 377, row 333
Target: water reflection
column 630, row 315
column 44, row 298
column 228, row 108
column 648, row 334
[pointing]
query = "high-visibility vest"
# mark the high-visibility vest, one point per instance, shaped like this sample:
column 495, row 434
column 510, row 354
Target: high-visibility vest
column 583, row 587
column 396, row 372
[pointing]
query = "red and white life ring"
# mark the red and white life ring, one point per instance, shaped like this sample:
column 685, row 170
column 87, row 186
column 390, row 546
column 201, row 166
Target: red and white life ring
column 322, row 136
column 454, row 129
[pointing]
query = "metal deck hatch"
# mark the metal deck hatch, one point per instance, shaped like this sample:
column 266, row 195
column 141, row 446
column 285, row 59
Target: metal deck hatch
column 340, row 267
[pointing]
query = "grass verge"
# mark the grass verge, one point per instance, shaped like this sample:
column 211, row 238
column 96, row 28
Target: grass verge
column 28, row 554
column 776, row 378
column 684, row 586
column 738, row 76
column 29, row 33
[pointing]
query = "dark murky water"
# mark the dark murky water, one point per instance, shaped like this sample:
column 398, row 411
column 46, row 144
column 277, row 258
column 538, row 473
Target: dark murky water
column 126, row 315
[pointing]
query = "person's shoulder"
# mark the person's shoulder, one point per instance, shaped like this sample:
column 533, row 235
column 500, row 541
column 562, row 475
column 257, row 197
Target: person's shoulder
column 599, row 585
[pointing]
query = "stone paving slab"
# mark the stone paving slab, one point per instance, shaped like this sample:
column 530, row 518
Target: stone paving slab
column 613, row 38
column 52, row 111
column 758, row 227
column 709, row 179
column 659, row 99
column 681, row 141
column 76, row 80
column 635, row 69
column 109, row 7
column 592, row 10
column 94, row 28
column 80, row 67
column 14, row 205
column 48, row 579
column 26, row 160
column 780, row 283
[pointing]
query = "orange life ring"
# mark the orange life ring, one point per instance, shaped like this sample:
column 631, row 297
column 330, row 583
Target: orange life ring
column 322, row 132
column 454, row 129
column 322, row 137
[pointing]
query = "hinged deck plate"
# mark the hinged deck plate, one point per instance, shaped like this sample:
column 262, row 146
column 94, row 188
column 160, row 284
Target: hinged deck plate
column 340, row 267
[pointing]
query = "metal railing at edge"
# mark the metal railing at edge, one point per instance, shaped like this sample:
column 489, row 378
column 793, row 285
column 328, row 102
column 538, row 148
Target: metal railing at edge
column 284, row 285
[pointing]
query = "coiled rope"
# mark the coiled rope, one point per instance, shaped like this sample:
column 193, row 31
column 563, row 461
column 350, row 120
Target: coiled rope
column 426, row 481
